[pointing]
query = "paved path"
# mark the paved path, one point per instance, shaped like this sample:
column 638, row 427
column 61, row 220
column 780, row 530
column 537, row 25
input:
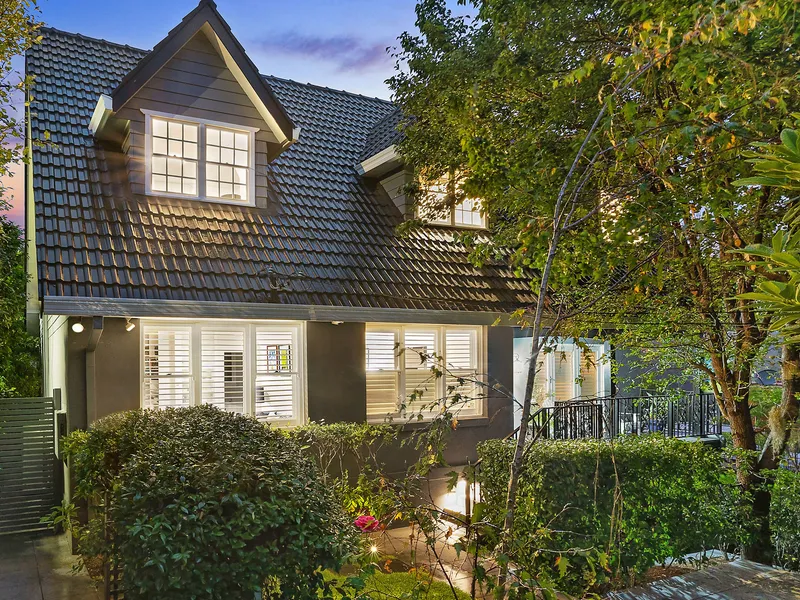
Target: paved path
column 41, row 569
column 737, row 580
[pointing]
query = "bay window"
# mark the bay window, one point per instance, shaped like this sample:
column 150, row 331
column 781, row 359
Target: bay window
column 199, row 159
column 399, row 359
column 251, row 368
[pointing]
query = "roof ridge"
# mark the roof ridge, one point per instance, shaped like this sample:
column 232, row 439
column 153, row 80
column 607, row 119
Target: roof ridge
column 91, row 38
column 285, row 79
column 330, row 89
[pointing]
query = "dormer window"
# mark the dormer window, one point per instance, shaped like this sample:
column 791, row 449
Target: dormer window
column 199, row 159
column 466, row 213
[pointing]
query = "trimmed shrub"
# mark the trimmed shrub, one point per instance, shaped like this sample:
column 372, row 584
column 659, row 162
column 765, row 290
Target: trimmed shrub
column 346, row 455
column 208, row 504
column 607, row 510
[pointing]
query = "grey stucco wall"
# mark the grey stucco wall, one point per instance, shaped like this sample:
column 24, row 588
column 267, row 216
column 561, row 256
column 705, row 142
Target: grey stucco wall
column 337, row 378
column 116, row 371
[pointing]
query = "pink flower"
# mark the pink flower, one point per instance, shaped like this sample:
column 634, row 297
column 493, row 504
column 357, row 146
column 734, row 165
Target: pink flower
column 367, row 523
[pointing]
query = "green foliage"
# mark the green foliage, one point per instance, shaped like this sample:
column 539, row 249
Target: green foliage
column 346, row 455
column 209, row 504
column 597, row 513
column 785, row 519
column 395, row 586
column 19, row 351
column 18, row 31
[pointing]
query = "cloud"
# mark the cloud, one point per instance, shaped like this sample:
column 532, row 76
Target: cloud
column 347, row 52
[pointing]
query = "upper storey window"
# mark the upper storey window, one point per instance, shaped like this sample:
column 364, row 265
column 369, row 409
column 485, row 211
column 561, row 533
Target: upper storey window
column 467, row 212
column 198, row 159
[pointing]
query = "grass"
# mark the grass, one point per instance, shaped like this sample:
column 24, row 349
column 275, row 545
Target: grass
column 385, row 586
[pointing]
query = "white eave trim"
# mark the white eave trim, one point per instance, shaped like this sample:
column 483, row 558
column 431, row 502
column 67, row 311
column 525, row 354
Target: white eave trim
column 240, row 78
column 135, row 307
column 380, row 163
column 102, row 111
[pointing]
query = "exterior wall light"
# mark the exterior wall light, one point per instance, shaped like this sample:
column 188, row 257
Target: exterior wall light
column 78, row 327
column 129, row 325
column 336, row 322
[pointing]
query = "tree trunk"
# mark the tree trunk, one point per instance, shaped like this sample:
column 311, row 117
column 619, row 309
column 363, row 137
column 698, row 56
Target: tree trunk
column 781, row 420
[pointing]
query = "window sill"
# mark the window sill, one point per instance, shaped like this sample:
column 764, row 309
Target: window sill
column 405, row 425
column 199, row 199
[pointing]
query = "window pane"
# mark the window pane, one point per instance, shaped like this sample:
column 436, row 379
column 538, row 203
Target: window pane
column 190, row 187
column 588, row 374
column 190, row 133
column 175, row 130
column 564, row 376
column 169, row 157
column 167, row 368
column 461, row 349
column 159, row 165
column 223, row 369
column 159, row 183
column 159, row 128
column 159, row 146
column 276, row 381
column 224, row 148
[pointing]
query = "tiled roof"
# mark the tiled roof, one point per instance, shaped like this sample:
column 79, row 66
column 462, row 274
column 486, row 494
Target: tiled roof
column 383, row 134
column 96, row 239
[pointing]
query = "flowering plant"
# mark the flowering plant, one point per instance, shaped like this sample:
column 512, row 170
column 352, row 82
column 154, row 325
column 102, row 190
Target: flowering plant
column 367, row 523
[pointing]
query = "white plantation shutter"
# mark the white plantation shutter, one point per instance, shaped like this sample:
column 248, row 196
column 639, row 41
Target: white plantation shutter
column 277, row 375
column 461, row 359
column 589, row 378
column 420, row 346
column 564, row 375
column 167, row 380
column 383, row 374
column 223, row 367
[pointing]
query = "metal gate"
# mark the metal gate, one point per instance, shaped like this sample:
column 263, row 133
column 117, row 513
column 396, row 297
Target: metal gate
column 31, row 477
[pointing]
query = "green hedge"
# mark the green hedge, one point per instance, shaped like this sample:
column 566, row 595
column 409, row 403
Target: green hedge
column 785, row 519
column 571, row 512
column 208, row 504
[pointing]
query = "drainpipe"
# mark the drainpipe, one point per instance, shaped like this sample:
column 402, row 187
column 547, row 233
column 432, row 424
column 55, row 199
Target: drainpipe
column 91, row 390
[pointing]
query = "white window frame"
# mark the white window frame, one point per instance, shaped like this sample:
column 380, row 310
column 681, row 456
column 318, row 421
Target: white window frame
column 440, row 383
column 250, row 328
column 450, row 220
column 201, row 157
column 601, row 352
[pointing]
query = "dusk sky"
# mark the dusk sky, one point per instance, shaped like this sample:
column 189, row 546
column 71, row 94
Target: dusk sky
column 337, row 43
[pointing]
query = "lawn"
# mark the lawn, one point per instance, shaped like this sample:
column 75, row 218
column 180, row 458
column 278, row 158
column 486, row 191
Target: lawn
column 382, row 586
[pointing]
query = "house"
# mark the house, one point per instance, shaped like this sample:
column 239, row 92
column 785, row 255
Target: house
column 200, row 233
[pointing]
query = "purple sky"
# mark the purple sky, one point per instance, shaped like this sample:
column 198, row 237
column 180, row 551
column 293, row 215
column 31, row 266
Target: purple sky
column 337, row 43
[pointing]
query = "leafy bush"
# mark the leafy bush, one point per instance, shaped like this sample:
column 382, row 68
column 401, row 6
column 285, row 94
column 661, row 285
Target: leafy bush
column 591, row 511
column 346, row 455
column 785, row 519
column 209, row 504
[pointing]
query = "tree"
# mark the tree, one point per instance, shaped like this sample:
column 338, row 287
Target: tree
column 19, row 360
column 18, row 31
column 636, row 114
column 19, row 352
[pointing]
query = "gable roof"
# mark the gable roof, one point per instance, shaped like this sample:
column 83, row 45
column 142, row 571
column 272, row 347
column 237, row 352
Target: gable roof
column 95, row 239
column 206, row 18
column 382, row 135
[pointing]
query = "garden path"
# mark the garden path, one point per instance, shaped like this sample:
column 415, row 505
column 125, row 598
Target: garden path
column 736, row 580
column 40, row 568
